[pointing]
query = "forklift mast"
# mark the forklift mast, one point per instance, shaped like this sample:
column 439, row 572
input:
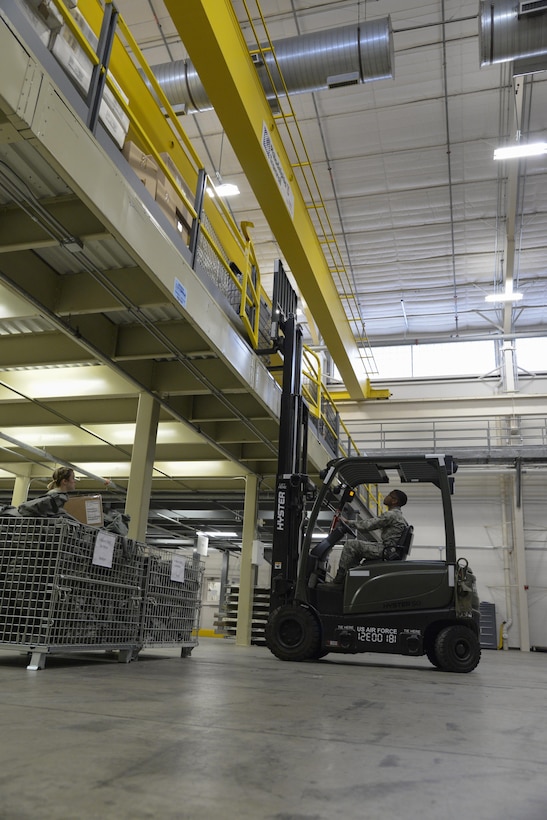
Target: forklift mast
column 292, row 481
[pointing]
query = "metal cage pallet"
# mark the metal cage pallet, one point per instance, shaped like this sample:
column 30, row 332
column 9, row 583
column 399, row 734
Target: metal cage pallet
column 171, row 608
column 54, row 598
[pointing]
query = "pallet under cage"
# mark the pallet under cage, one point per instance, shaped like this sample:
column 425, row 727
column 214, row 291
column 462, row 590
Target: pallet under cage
column 172, row 600
column 54, row 598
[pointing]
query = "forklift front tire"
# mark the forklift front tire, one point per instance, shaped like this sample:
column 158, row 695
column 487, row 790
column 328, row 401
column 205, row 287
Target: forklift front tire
column 293, row 633
column 429, row 647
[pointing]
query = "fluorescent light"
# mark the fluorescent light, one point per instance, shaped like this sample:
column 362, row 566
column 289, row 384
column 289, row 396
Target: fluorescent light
column 527, row 149
column 217, row 534
column 224, row 189
column 503, row 297
column 227, row 189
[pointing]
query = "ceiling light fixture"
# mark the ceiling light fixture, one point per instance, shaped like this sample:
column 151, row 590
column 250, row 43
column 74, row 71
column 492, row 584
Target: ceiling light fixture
column 528, row 149
column 509, row 296
column 224, row 189
column 216, row 534
column 227, row 189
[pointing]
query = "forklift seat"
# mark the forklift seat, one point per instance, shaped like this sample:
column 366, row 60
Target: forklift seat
column 402, row 549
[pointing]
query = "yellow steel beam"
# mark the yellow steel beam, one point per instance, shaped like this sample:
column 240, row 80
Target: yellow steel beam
column 213, row 38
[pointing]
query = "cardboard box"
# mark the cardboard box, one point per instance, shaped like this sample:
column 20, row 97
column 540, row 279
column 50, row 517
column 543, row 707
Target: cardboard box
column 175, row 173
column 183, row 218
column 44, row 16
column 72, row 57
column 143, row 165
column 174, row 208
column 38, row 21
column 86, row 508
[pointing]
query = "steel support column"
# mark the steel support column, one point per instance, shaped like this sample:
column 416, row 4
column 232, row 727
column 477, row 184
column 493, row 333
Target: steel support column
column 520, row 560
column 142, row 463
column 514, row 173
column 246, row 573
column 21, row 484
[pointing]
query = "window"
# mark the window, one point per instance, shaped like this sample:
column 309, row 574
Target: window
column 532, row 354
column 435, row 360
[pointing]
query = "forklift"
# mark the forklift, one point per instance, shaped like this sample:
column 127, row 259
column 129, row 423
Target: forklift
column 390, row 605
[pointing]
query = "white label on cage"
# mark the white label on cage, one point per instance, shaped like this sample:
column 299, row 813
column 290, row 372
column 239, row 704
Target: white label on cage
column 104, row 549
column 178, row 565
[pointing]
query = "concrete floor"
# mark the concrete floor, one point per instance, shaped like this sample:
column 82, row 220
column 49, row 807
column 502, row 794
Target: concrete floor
column 233, row 733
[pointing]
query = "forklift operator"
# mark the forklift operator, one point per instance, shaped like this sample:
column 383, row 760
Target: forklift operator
column 391, row 524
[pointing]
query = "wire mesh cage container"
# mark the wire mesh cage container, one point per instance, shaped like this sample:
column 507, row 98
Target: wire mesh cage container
column 172, row 599
column 59, row 593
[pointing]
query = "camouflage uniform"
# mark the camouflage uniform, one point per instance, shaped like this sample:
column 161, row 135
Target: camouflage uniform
column 391, row 523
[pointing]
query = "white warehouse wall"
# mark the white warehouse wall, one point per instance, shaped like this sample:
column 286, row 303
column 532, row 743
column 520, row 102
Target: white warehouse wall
column 477, row 415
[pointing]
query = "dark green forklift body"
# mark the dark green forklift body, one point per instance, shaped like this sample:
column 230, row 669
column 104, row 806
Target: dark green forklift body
column 406, row 607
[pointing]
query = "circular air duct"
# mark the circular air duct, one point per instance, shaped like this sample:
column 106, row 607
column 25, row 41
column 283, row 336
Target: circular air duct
column 510, row 30
column 327, row 59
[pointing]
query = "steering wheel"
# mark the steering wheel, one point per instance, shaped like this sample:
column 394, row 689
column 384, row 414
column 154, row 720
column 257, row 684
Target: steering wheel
column 345, row 528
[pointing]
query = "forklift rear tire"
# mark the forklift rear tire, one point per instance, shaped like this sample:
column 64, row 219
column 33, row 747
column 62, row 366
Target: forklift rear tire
column 457, row 649
column 292, row 633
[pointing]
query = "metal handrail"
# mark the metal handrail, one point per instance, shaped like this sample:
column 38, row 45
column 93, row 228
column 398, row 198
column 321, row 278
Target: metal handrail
column 471, row 432
column 153, row 123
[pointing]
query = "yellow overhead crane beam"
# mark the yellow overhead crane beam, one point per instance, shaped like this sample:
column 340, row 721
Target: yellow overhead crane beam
column 216, row 46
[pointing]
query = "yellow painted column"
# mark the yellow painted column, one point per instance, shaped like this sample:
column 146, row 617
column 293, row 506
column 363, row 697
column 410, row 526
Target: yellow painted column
column 21, row 485
column 142, row 463
column 246, row 577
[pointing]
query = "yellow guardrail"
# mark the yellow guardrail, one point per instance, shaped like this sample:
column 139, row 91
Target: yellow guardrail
column 321, row 404
column 155, row 128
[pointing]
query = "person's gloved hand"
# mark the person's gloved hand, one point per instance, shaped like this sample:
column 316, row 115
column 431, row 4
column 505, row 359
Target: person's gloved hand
column 348, row 513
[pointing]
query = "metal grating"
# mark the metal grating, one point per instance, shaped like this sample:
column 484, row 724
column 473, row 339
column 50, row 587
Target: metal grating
column 171, row 608
column 53, row 595
column 54, row 598
column 488, row 634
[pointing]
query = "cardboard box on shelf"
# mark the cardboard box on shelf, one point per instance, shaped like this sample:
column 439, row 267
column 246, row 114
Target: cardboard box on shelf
column 174, row 208
column 77, row 64
column 175, row 173
column 46, row 22
column 86, row 508
column 144, row 166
